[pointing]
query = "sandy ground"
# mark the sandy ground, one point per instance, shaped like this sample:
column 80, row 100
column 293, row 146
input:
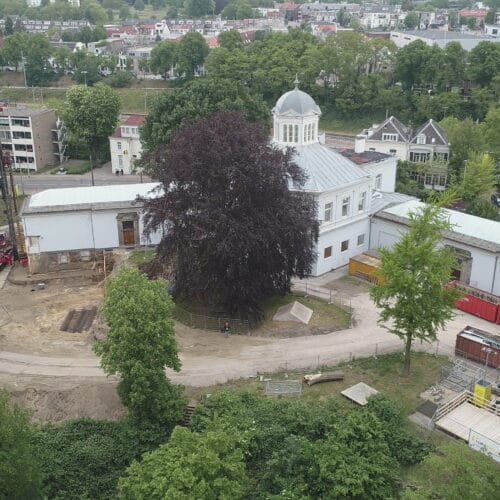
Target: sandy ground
column 57, row 375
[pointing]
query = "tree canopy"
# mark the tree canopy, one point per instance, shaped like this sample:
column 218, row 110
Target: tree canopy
column 198, row 98
column 19, row 470
column 413, row 298
column 139, row 345
column 91, row 115
column 237, row 233
column 191, row 465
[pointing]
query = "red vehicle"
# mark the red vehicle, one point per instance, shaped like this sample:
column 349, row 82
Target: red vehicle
column 478, row 345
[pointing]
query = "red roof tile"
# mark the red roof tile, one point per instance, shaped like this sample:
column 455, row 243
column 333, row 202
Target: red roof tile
column 136, row 120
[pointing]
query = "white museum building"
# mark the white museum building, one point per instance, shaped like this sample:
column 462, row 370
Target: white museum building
column 354, row 191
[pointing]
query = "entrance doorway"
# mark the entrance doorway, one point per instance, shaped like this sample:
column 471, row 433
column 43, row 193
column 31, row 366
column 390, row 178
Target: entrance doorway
column 128, row 229
column 128, row 232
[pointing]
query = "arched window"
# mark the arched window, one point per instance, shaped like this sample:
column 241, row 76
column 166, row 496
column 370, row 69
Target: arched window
column 296, row 133
column 313, row 132
column 309, row 126
column 284, row 133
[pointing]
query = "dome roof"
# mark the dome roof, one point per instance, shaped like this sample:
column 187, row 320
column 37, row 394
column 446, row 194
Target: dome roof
column 296, row 103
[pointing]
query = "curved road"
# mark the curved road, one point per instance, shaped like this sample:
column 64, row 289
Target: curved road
column 259, row 355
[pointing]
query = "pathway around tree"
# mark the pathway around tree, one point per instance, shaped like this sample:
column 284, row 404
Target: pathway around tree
column 218, row 362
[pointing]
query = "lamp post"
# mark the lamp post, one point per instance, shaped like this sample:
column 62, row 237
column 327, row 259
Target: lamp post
column 84, row 73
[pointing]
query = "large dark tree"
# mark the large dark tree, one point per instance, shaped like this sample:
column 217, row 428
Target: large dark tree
column 236, row 231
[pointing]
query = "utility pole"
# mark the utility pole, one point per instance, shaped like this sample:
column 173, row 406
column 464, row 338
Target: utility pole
column 4, row 185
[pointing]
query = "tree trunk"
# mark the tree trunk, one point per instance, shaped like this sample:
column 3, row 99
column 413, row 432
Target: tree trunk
column 406, row 366
column 323, row 377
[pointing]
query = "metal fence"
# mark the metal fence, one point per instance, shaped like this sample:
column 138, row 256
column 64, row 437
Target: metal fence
column 238, row 326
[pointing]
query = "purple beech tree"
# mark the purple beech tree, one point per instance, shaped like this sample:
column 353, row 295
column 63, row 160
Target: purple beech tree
column 239, row 226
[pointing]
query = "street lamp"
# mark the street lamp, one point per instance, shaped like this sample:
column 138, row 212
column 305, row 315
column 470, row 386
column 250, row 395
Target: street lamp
column 84, row 73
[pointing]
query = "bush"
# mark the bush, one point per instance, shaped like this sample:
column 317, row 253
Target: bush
column 120, row 79
column 83, row 458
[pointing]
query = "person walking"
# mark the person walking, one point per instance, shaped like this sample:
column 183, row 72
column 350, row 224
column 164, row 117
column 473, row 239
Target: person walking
column 226, row 329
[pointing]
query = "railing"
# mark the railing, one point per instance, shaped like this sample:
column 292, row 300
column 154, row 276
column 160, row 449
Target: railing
column 450, row 405
column 215, row 323
column 466, row 397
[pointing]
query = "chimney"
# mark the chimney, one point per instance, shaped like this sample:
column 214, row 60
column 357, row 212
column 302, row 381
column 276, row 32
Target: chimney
column 359, row 144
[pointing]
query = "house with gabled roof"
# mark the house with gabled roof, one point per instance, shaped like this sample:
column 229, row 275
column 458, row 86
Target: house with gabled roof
column 125, row 145
column 428, row 144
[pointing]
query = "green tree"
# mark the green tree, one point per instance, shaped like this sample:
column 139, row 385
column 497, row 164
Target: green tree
column 231, row 40
column 465, row 137
column 38, row 68
column 478, row 178
column 14, row 48
column 191, row 465
column 124, row 12
column 19, row 470
column 139, row 345
column 413, row 298
column 238, row 9
column 200, row 97
column 139, row 5
column 9, row 26
column 191, row 53
column 163, row 58
column 198, row 8
column 484, row 63
column 412, row 20
column 411, row 61
column 490, row 129
column 91, row 115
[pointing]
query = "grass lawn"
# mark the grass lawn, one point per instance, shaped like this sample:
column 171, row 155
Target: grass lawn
column 331, row 122
column 382, row 373
column 324, row 314
column 138, row 257
column 133, row 100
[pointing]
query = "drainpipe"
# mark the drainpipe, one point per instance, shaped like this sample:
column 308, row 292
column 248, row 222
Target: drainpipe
column 494, row 274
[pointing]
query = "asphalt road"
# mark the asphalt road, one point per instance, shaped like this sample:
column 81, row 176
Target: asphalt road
column 35, row 183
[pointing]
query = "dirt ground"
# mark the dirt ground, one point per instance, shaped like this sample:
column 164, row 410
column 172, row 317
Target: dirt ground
column 30, row 321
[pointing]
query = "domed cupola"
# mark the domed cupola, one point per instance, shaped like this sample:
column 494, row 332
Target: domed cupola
column 296, row 118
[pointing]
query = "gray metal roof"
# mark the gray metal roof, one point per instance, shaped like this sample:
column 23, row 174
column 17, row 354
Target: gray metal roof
column 468, row 229
column 381, row 200
column 296, row 103
column 326, row 168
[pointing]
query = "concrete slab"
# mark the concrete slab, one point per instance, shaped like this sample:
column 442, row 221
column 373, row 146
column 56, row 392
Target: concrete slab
column 295, row 311
column 359, row 393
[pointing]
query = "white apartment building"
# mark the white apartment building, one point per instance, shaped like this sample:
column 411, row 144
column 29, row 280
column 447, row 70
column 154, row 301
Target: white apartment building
column 28, row 137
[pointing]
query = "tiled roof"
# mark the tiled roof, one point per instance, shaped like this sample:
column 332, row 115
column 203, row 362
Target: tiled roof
column 434, row 134
column 390, row 126
column 134, row 120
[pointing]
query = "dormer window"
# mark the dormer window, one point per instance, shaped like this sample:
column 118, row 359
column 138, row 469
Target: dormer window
column 291, row 133
column 390, row 137
column 421, row 139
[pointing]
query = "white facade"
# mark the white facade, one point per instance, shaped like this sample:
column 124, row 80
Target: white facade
column 65, row 227
column 125, row 146
column 476, row 242
column 342, row 189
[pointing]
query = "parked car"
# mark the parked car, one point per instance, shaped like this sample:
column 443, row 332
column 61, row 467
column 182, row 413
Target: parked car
column 495, row 199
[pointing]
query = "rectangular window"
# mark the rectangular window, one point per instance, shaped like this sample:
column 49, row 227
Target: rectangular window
column 378, row 181
column 361, row 239
column 344, row 246
column 120, row 160
column 390, row 137
column 285, row 136
column 328, row 212
column 119, row 145
column 362, row 201
column 327, row 252
column 5, row 134
column 392, row 152
column 345, row 206
column 421, row 139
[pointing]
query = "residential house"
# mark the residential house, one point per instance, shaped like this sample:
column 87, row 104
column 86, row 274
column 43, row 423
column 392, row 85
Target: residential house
column 125, row 145
column 428, row 143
